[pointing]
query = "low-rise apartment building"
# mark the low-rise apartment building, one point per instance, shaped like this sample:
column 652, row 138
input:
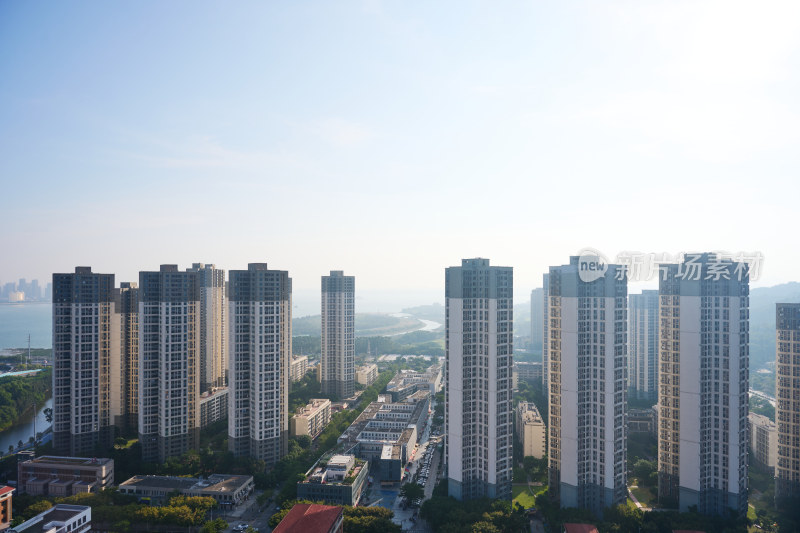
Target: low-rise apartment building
column 311, row 419
column 61, row 518
column 64, row 476
column 213, row 406
column 367, row 374
column 337, row 479
column 531, row 430
column 528, row 371
column 229, row 490
column 407, row 382
column 763, row 439
column 298, row 367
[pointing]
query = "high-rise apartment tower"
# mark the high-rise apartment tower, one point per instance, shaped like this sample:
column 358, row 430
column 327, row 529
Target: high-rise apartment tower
column 703, row 384
column 588, row 397
column 478, row 411
column 338, row 334
column 260, row 350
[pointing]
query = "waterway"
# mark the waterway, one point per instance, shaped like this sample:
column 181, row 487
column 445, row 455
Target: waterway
column 427, row 325
column 23, row 430
column 17, row 321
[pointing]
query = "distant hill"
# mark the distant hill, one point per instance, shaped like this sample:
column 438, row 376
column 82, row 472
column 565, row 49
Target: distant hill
column 762, row 320
column 434, row 311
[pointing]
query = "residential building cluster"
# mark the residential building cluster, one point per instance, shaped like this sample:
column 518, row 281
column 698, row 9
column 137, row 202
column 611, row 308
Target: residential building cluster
column 182, row 349
column 387, row 431
column 685, row 346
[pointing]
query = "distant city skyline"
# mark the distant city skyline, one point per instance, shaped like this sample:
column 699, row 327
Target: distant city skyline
column 271, row 131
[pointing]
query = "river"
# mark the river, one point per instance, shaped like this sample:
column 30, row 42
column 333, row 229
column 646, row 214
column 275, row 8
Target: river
column 24, row 429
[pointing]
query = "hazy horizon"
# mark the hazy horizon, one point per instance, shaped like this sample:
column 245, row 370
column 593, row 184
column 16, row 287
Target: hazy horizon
column 391, row 140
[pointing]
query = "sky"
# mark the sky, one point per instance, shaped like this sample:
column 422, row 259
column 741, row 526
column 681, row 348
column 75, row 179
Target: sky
column 392, row 139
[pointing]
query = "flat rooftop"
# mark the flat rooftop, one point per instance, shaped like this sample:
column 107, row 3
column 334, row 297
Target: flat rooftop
column 214, row 483
column 71, row 461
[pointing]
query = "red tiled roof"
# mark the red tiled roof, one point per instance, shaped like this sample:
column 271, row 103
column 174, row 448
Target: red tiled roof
column 6, row 490
column 580, row 528
column 309, row 518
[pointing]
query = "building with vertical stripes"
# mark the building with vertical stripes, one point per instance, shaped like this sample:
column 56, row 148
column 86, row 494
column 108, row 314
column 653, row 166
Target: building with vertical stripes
column 643, row 345
column 169, row 373
column 787, row 396
column 478, row 410
column 703, row 384
column 86, row 362
column 338, row 335
column 212, row 346
column 260, row 349
column 128, row 305
column 588, row 386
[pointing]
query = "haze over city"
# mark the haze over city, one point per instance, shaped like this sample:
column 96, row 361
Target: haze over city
column 392, row 139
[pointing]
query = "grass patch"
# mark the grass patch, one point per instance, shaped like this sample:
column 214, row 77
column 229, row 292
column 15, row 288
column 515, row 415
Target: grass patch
column 631, row 504
column 751, row 512
column 644, row 495
column 522, row 494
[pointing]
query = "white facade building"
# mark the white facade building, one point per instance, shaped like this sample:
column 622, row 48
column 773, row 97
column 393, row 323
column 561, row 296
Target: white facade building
column 787, row 395
column 87, row 385
column 338, row 334
column 763, row 439
column 531, row 430
column 703, row 384
column 213, row 326
column 478, row 410
column 588, row 365
column 260, row 315
column 367, row 374
column 643, row 345
column 169, row 378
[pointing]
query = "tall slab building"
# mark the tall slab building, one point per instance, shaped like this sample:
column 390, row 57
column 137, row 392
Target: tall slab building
column 338, row 334
column 546, row 334
column 478, row 410
column 537, row 318
column 127, row 300
column 643, row 345
column 588, row 396
column 213, row 327
column 703, row 384
column 86, row 362
column 169, row 376
column 787, row 394
column 260, row 349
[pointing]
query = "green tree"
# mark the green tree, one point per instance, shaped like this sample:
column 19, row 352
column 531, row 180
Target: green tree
column 412, row 491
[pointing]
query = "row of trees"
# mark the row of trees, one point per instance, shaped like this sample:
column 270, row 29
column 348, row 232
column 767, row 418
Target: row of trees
column 120, row 512
column 20, row 393
column 445, row 514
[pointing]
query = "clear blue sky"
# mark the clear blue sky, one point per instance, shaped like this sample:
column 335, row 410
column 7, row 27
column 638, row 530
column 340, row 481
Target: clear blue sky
column 391, row 139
